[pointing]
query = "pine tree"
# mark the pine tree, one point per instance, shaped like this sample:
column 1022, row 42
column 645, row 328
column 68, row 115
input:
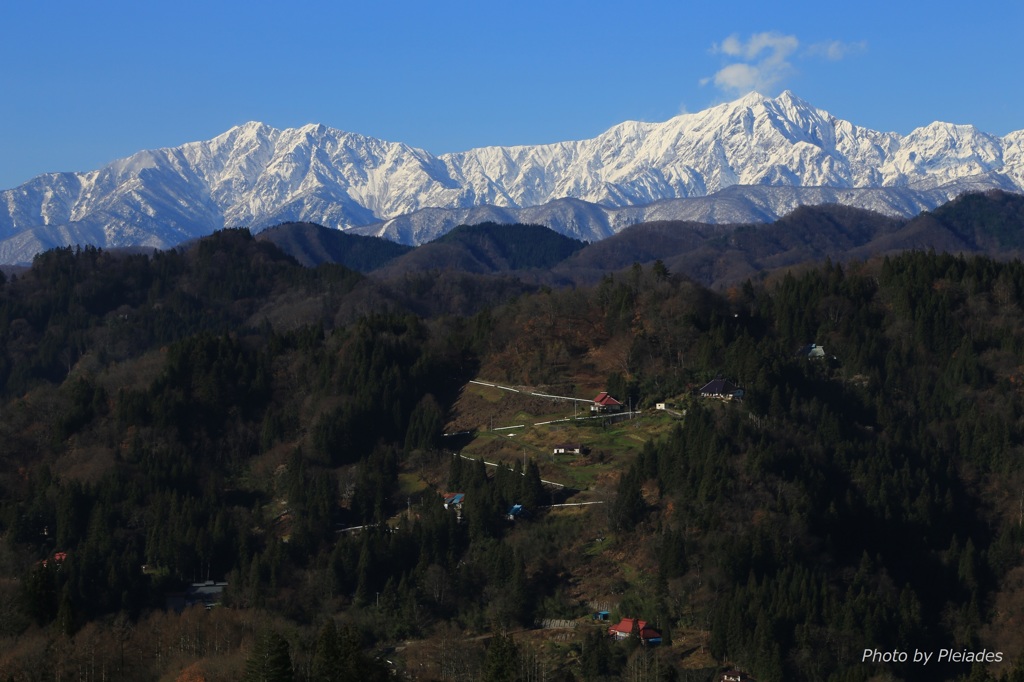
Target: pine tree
column 501, row 664
column 596, row 655
column 531, row 492
column 327, row 660
column 269, row 660
column 425, row 425
column 629, row 506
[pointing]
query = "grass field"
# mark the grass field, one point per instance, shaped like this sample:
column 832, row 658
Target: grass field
column 509, row 426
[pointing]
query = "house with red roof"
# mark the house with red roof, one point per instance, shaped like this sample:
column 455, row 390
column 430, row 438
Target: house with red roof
column 58, row 559
column 627, row 626
column 605, row 403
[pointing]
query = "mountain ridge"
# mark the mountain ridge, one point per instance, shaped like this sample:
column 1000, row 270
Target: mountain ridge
column 256, row 176
column 714, row 255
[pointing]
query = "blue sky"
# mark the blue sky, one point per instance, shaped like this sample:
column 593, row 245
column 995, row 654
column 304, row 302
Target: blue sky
column 84, row 83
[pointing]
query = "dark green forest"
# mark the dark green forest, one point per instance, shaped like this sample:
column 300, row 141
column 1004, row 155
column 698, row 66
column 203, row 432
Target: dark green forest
column 222, row 413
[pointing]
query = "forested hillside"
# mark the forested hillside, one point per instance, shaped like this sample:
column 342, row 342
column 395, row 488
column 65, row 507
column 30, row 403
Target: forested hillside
column 225, row 414
column 312, row 244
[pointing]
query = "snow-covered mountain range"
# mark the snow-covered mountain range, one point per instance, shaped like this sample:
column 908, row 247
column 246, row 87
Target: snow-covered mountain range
column 753, row 159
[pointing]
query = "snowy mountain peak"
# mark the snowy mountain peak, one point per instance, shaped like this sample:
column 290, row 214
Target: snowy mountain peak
column 256, row 175
column 752, row 98
column 246, row 131
column 790, row 100
column 251, row 127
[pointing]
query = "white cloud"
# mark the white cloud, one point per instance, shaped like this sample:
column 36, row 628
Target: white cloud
column 740, row 78
column 730, row 46
column 834, row 50
column 763, row 62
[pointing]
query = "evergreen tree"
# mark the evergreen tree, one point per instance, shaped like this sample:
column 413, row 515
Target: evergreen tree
column 425, row 425
column 629, row 506
column 327, row 657
column 531, row 491
column 595, row 656
column 269, row 660
column 501, row 664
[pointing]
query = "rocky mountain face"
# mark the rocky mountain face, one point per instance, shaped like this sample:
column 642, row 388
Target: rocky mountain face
column 753, row 159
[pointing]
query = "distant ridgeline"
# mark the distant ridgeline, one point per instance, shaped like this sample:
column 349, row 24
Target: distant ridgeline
column 513, row 247
column 312, row 245
column 716, row 255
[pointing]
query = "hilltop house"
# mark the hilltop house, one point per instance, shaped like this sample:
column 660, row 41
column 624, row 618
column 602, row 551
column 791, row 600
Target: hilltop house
column 721, row 389
column 453, row 500
column 604, row 403
column 206, row 593
column 625, row 627
column 735, row 676
column 812, row 351
column 58, row 559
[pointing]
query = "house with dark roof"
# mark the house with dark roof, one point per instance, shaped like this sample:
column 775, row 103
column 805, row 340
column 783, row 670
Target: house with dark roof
column 721, row 389
column 207, row 593
column 812, row 351
column 604, row 403
column 570, row 449
column 627, row 626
